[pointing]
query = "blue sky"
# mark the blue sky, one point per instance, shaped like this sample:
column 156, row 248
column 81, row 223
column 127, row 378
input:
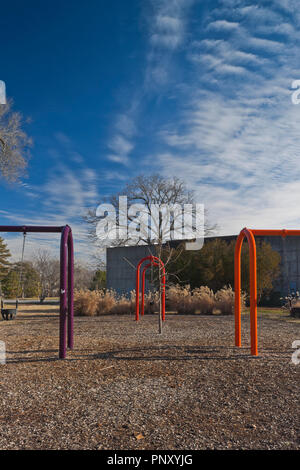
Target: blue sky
column 197, row 89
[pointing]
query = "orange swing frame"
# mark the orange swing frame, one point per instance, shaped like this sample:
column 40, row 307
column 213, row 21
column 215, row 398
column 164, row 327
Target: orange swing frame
column 250, row 235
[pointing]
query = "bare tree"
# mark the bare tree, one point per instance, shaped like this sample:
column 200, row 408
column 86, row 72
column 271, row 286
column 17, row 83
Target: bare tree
column 49, row 272
column 14, row 144
column 147, row 195
column 83, row 276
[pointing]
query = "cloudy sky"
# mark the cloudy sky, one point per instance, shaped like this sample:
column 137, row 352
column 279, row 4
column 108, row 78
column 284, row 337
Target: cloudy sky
column 199, row 89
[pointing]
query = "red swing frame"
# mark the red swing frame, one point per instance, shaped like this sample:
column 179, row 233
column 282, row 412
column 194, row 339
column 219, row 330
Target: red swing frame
column 143, row 284
column 158, row 261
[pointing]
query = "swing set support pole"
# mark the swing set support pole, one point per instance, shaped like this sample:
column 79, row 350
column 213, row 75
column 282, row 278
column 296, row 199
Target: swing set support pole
column 66, row 321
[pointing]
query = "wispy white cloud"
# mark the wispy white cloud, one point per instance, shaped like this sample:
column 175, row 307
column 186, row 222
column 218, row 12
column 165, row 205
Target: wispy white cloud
column 267, row 45
column 167, row 32
column 234, row 136
column 64, row 196
column 167, row 28
column 223, row 52
column 238, row 144
column 125, row 124
column 223, row 25
column 67, row 144
column 121, row 147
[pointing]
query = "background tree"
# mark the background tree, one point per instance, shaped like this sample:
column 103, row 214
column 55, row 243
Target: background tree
column 48, row 268
column 83, row 276
column 4, row 259
column 49, row 273
column 99, row 280
column 268, row 268
column 10, row 285
column 149, row 191
column 15, row 287
column 213, row 266
column 14, row 144
column 30, row 280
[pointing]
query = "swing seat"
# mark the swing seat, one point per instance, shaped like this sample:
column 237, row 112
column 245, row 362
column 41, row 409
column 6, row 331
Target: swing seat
column 9, row 313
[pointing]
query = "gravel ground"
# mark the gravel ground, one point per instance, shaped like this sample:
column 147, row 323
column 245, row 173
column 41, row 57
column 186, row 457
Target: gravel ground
column 126, row 387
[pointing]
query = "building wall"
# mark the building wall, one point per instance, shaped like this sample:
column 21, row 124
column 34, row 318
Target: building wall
column 289, row 250
column 120, row 267
column 121, row 262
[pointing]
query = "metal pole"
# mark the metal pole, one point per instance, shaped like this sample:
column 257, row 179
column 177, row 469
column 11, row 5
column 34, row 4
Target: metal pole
column 63, row 293
column 137, row 292
column 237, row 288
column 143, row 289
column 253, row 292
column 137, row 287
column 66, row 251
column 143, row 284
column 31, row 228
column 70, row 290
column 163, row 294
column 253, row 289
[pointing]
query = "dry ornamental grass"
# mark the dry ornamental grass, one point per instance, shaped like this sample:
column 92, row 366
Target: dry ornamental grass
column 180, row 299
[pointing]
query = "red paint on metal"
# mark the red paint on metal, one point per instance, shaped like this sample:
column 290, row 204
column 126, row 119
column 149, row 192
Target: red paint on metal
column 163, row 295
column 143, row 284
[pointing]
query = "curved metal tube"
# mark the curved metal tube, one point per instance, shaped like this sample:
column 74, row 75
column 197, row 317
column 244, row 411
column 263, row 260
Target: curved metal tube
column 250, row 234
column 163, row 295
column 253, row 289
column 66, row 337
column 143, row 284
column 66, row 277
column 70, row 290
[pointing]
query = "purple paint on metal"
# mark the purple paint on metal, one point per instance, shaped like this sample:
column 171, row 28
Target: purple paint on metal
column 31, row 228
column 66, row 277
column 70, row 291
column 63, row 293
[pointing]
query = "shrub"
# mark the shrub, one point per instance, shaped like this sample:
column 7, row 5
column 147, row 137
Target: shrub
column 180, row 299
column 151, row 302
column 225, row 300
column 204, row 300
column 99, row 302
column 124, row 304
column 106, row 301
column 86, row 302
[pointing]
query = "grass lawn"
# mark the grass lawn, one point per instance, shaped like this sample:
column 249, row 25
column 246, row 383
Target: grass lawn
column 273, row 313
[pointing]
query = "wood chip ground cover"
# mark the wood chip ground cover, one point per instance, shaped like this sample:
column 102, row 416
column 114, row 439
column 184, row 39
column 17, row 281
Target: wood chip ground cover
column 126, row 387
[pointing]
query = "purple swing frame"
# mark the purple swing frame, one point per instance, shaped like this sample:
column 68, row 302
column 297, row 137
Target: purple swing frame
column 66, row 328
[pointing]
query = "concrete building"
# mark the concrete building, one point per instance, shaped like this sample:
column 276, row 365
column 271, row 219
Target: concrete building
column 121, row 262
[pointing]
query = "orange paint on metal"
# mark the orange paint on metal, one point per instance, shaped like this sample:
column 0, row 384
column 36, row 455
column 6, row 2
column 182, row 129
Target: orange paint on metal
column 250, row 234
